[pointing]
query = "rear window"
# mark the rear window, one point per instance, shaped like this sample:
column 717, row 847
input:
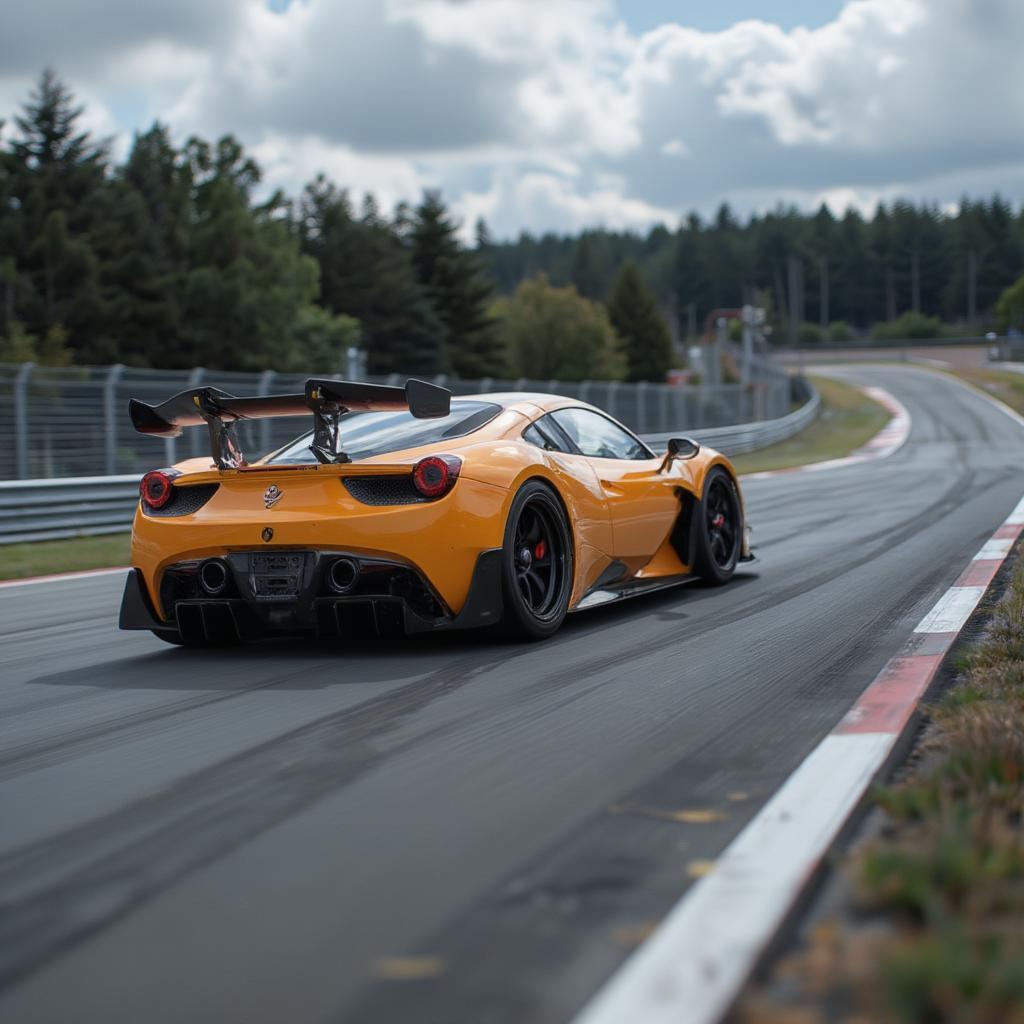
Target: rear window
column 362, row 435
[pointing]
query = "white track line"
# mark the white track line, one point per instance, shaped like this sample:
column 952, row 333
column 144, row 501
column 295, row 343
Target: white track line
column 951, row 610
column 694, row 965
column 701, row 954
column 61, row 577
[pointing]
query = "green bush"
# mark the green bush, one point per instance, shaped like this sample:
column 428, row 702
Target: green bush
column 809, row 334
column 909, row 325
column 1010, row 307
column 839, row 331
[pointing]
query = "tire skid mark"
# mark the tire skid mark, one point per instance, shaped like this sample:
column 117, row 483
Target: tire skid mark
column 78, row 624
column 61, row 889
column 128, row 726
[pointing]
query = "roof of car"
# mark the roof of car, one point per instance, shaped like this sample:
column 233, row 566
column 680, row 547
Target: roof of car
column 522, row 400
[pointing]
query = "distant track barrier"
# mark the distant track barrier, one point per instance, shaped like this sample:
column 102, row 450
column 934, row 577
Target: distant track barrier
column 55, row 509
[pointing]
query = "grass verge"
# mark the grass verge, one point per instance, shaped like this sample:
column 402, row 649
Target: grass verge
column 51, row 556
column 1005, row 385
column 848, row 419
column 930, row 923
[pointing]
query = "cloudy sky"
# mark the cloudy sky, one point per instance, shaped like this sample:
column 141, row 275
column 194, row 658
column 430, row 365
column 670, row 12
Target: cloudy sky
column 558, row 114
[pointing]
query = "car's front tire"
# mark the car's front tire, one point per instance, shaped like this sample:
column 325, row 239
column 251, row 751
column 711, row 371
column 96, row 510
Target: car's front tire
column 537, row 566
column 719, row 528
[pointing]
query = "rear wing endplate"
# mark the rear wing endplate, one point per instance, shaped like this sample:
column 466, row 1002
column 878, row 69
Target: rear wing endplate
column 327, row 400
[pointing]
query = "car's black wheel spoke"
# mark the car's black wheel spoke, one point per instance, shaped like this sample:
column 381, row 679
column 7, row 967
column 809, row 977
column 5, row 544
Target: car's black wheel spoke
column 718, row 548
column 539, row 584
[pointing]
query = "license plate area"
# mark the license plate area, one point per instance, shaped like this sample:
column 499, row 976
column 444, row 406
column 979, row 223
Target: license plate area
column 276, row 576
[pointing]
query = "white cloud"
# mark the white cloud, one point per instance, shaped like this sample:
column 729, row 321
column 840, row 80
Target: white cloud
column 537, row 201
column 553, row 116
column 291, row 163
column 676, row 147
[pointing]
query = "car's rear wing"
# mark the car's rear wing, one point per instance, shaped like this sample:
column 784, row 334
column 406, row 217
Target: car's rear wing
column 327, row 400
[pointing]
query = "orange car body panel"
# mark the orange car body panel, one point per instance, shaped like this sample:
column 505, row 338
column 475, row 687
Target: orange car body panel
column 618, row 510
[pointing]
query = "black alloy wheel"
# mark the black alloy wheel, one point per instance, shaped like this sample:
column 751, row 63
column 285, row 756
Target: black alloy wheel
column 719, row 529
column 537, row 577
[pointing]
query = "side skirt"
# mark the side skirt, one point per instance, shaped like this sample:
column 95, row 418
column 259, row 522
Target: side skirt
column 631, row 588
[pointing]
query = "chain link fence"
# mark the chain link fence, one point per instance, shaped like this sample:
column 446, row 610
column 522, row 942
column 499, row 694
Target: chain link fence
column 73, row 421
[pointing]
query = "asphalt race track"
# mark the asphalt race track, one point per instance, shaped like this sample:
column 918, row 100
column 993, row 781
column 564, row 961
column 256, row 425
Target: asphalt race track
column 451, row 829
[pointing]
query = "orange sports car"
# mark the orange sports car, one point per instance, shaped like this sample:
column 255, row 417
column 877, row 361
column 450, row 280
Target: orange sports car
column 406, row 510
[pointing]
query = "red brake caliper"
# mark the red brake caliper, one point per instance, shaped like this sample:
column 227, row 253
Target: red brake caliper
column 540, row 550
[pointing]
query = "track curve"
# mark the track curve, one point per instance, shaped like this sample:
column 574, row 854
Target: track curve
column 447, row 829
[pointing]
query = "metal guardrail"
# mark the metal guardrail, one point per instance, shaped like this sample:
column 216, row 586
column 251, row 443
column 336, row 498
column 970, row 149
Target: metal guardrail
column 74, row 507
column 751, row 437
column 32, row 510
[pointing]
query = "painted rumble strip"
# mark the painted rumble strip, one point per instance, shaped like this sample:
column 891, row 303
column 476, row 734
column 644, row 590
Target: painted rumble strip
column 888, row 440
column 694, row 965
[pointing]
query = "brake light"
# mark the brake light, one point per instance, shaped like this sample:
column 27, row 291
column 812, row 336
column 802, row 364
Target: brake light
column 155, row 487
column 436, row 474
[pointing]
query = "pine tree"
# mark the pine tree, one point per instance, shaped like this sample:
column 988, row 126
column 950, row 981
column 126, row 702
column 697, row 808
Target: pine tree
column 457, row 289
column 689, row 274
column 592, row 265
column 635, row 317
column 366, row 273
column 246, row 282
column 55, row 175
column 146, row 248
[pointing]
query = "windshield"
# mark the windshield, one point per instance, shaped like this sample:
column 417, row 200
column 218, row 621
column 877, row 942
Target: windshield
column 365, row 434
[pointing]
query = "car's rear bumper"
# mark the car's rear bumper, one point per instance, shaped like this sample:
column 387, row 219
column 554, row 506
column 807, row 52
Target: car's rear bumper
column 387, row 598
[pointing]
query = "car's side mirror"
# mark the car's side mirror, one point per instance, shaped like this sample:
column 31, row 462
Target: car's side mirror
column 679, row 448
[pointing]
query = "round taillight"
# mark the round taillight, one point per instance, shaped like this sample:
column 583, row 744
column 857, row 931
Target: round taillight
column 436, row 474
column 155, row 487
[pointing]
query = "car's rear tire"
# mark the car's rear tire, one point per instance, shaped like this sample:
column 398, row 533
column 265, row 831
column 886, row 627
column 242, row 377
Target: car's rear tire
column 537, row 564
column 719, row 528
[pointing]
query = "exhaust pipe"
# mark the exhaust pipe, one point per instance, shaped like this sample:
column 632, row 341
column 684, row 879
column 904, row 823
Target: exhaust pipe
column 342, row 575
column 213, row 577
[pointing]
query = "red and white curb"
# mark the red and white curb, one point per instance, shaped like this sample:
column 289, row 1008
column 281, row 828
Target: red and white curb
column 888, row 440
column 61, row 577
column 692, row 968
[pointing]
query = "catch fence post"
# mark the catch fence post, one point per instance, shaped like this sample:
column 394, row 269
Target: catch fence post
column 641, row 406
column 110, row 417
column 21, row 419
column 584, row 390
column 613, row 388
column 664, row 423
column 262, row 390
column 194, row 379
column 486, row 385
